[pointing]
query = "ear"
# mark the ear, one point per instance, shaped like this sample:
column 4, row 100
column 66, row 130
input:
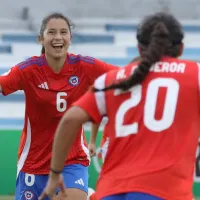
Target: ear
column 40, row 40
column 181, row 49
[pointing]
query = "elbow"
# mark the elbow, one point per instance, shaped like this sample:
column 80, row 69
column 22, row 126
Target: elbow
column 74, row 118
column 70, row 121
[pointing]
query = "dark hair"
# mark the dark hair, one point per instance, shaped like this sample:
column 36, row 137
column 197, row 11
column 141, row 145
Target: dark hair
column 48, row 18
column 159, row 34
column 43, row 50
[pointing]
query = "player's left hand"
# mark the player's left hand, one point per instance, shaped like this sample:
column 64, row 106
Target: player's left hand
column 53, row 183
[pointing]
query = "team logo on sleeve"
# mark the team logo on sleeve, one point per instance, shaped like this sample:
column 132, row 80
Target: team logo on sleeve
column 74, row 80
column 28, row 195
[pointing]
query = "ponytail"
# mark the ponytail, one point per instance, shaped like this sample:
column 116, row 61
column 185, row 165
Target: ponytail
column 43, row 50
column 151, row 54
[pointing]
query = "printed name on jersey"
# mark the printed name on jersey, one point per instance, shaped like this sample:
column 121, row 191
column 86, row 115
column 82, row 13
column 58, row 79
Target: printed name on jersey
column 159, row 67
column 74, row 80
column 29, row 195
column 168, row 67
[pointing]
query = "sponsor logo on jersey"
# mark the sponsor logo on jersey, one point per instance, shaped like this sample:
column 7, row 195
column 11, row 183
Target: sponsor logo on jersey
column 74, row 80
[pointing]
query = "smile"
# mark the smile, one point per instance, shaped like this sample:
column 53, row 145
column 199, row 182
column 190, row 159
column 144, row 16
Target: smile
column 57, row 46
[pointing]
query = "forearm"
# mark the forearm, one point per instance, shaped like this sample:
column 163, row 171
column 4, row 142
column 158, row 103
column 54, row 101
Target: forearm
column 64, row 138
column 94, row 132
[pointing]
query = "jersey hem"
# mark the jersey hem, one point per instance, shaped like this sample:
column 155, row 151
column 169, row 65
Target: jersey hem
column 148, row 191
column 46, row 171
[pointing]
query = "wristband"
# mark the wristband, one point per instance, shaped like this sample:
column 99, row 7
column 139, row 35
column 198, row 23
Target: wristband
column 55, row 171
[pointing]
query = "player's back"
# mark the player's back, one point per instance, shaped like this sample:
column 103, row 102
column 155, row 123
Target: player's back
column 153, row 131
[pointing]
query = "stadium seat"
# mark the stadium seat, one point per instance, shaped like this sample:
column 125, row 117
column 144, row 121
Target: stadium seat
column 77, row 38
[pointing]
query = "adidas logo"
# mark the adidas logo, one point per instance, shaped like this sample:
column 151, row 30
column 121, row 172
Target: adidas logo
column 44, row 86
column 80, row 182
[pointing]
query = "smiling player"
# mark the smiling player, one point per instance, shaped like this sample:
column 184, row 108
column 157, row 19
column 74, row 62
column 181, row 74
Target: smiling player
column 51, row 82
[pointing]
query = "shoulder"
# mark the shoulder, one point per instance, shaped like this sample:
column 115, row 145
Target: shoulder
column 100, row 82
column 185, row 61
column 110, row 76
column 78, row 59
column 30, row 62
column 190, row 62
column 190, row 66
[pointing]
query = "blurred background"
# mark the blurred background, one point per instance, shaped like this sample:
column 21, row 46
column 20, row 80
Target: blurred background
column 104, row 29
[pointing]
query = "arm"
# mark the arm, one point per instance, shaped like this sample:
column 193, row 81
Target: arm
column 63, row 140
column 94, row 131
column 11, row 81
column 72, row 121
column 93, row 136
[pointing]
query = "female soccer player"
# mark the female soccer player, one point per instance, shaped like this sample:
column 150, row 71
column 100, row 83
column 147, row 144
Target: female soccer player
column 51, row 82
column 154, row 114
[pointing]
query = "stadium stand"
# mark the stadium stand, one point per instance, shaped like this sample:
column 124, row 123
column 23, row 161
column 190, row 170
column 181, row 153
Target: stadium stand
column 112, row 41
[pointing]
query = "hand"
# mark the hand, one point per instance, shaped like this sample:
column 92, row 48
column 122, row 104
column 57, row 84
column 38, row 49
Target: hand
column 53, row 183
column 92, row 149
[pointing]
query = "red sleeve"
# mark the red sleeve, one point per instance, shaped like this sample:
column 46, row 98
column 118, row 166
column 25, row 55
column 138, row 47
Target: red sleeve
column 88, row 103
column 11, row 81
column 96, row 69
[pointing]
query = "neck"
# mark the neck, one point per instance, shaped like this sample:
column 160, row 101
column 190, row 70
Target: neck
column 55, row 64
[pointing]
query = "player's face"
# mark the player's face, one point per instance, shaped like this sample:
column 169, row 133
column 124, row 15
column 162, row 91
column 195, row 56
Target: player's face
column 56, row 38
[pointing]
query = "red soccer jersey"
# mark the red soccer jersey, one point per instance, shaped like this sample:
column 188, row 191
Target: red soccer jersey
column 48, row 95
column 153, row 130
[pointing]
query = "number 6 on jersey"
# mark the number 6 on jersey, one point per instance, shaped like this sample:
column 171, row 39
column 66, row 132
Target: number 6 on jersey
column 61, row 103
column 170, row 102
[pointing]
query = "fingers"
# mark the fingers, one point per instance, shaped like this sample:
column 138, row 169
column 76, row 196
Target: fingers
column 45, row 195
column 62, row 186
column 92, row 153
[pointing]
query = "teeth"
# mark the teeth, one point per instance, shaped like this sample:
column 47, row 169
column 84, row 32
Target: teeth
column 57, row 45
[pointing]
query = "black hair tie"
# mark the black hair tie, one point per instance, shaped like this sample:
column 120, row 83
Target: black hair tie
column 55, row 171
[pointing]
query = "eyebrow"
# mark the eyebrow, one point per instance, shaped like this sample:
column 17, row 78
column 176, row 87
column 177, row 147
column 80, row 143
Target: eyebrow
column 53, row 29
